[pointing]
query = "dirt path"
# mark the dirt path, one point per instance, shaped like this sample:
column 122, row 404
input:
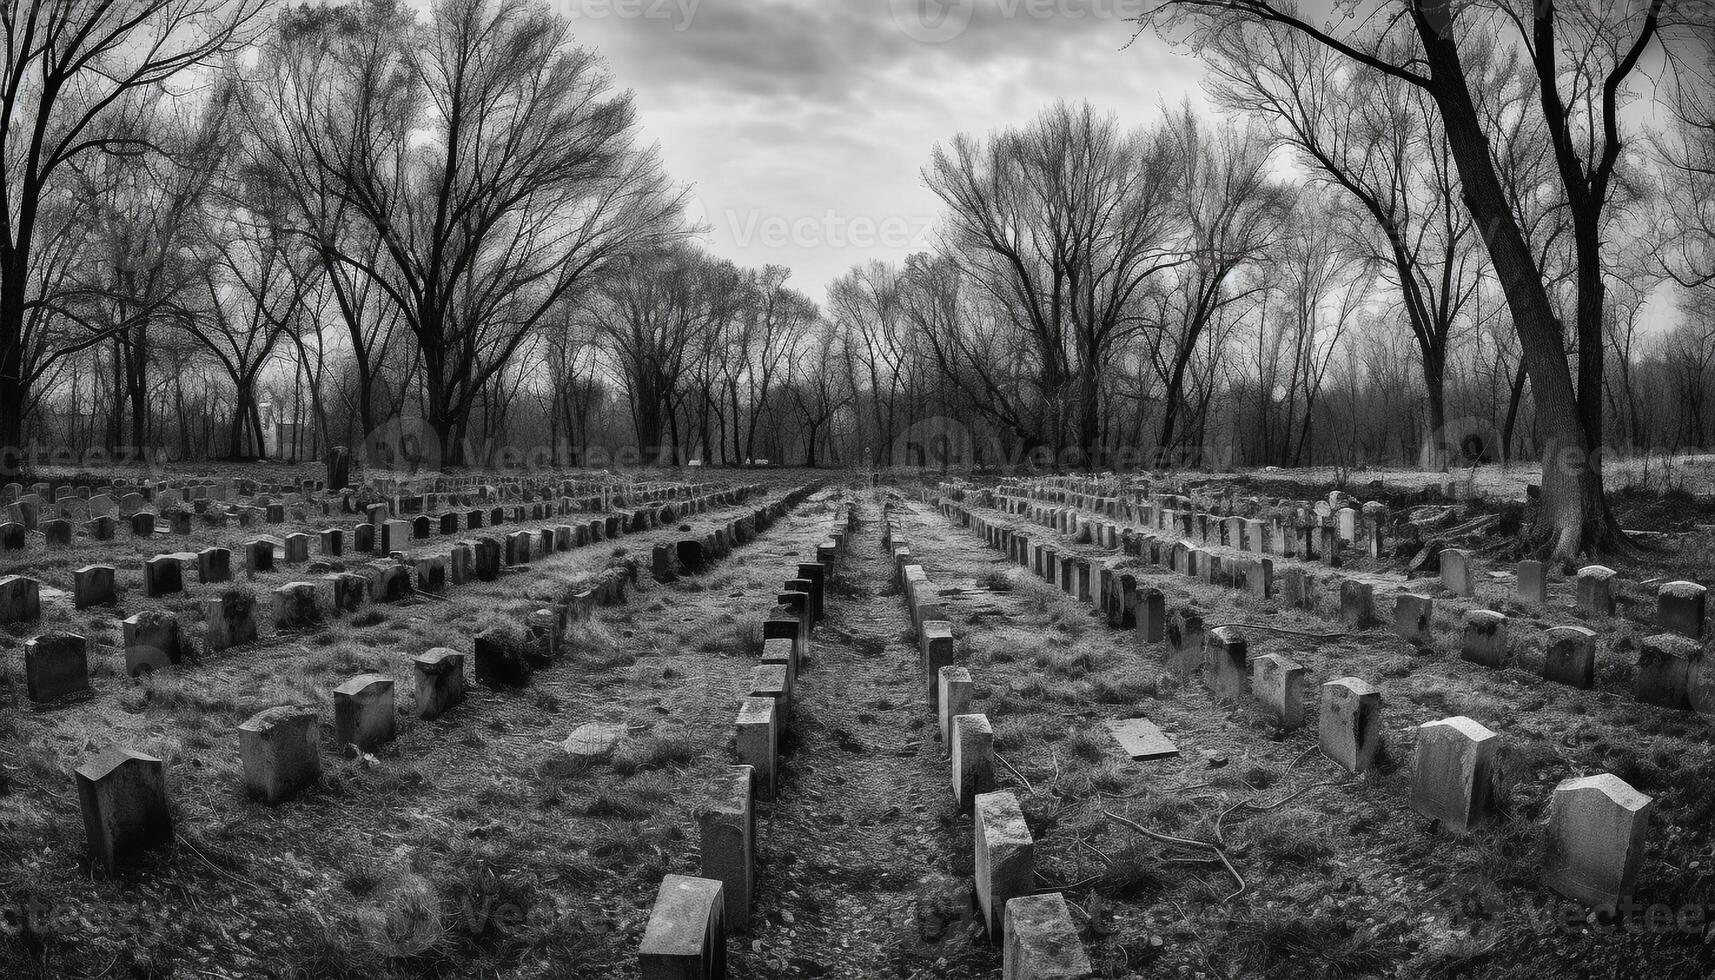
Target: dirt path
column 861, row 871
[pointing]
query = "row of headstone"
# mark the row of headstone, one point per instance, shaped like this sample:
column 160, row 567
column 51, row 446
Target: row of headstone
column 1036, row 934
column 686, row 935
column 1596, row 825
column 123, row 791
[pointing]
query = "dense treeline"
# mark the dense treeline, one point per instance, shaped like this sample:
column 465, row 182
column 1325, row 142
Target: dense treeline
column 238, row 228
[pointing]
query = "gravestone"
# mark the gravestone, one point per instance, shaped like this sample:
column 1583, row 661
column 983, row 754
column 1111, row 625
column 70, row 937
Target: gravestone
column 20, row 599
column 1569, row 656
column 758, row 742
column 56, row 665
column 1533, row 583
column 1596, row 831
column 143, row 523
column 1665, row 668
column 726, row 821
column 954, row 689
column 93, row 586
column 1278, row 682
column 972, row 746
column 937, row 651
column 231, row 620
column 363, row 712
column 488, row 558
column 281, row 752
column 685, row 938
column 1485, row 640
column 439, row 682
column 1350, row 727
column 1005, row 858
column 214, row 565
column 259, row 556
column 1226, row 654
column 297, row 548
column 56, row 533
column 162, row 575
column 295, row 606
column 1680, row 608
column 1595, row 589
column 1042, row 941
column 1152, row 615
column 1357, row 603
column 1457, row 575
column 500, row 656
column 123, row 796
column 152, row 642
column 1455, row 757
column 12, row 537
column 1412, row 615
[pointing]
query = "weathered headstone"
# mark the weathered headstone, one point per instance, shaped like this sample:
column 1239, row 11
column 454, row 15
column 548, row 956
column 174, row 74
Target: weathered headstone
column 1596, row 830
column 1005, row 858
column 440, row 682
column 123, row 796
column 1532, row 583
column 1455, row 757
column 727, row 823
column 1569, row 656
column 162, row 575
column 1278, row 682
column 972, row 745
column 1357, row 603
column 1595, row 590
column 363, row 712
column 281, row 751
column 1412, row 615
column 937, row 650
column 152, row 641
column 1226, row 653
column 685, row 938
column 93, row 586
column 758, row 743
column 1485, row 639
column 1457, row 575
column 1666, row 664
column 1680, row 608
column 214, row 565
column 954, row 690
column 1042, row 941
column 231, row 620
column 295, row 606
column 1350, row 727
column 56, row 665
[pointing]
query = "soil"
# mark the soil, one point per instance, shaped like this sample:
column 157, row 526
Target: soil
column 459, row 850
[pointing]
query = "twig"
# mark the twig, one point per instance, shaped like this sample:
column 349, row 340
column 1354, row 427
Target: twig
column 1262, row 808
column 1259, row 627
column 1015, row 773
column 1214, row 849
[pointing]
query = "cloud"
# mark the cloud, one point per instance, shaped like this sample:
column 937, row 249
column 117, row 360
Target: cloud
column 817, row 116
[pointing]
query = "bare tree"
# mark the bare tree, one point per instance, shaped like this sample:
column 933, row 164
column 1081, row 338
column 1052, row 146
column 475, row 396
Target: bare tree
column 1059, row 225
column 70, row 68
column 1582, row 58
column 484, row 154
column 1377, row 140
column 1232, row 216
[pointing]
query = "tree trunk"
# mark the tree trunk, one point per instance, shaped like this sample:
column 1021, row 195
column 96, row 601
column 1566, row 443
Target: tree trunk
column 1572, row 517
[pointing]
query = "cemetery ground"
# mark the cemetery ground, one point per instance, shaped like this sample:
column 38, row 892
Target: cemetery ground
column 475, row 845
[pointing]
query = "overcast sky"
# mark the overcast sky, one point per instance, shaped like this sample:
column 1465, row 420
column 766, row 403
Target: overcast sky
column 803, row 125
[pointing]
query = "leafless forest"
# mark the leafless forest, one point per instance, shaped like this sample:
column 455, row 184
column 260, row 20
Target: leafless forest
column 1247, row 515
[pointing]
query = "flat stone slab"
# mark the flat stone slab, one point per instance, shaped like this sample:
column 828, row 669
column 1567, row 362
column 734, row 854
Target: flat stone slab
column 1142, row 739
column 593, row 740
